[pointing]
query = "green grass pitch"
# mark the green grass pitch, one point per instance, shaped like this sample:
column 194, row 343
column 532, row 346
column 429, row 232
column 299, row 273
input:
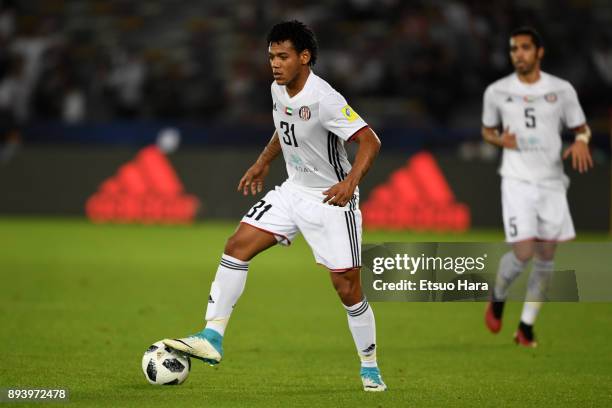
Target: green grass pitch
column 80, row 303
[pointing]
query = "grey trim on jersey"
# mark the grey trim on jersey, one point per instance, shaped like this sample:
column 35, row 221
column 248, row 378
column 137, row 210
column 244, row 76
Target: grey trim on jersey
column 334, row 155
column 334, row 160
column 351, row 224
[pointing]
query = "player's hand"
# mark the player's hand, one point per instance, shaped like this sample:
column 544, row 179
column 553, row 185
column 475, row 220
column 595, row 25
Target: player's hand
column 581, row 156
column 253, row 179
column 340, row 194
column 508, row 139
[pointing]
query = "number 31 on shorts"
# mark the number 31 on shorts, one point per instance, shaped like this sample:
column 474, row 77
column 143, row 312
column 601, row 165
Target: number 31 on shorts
column 258, row 210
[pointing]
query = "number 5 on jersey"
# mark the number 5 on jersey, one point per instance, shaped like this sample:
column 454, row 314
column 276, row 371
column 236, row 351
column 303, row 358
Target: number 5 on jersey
column 289, row 134
column 530, row 119
column 257, row 209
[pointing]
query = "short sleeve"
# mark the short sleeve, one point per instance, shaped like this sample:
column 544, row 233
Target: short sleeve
column 490, row 113
column 338, row 117
column 573, row 115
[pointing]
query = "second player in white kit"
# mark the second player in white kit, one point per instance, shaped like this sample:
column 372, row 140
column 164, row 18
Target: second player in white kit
column 533, row 182
column 532, row 107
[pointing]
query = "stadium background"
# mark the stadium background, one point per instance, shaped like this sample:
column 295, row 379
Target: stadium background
column 86, row 85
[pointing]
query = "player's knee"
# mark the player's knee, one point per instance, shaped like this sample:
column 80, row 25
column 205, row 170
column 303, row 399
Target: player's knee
column 235, row 247
column 524, row 253
column 545, row 256
column 344, row 290
column 524, row 256
column 348, row 289
column 545, row 252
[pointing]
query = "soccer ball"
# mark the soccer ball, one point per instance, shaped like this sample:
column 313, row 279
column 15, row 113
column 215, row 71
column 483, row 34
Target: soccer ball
column 162, row 365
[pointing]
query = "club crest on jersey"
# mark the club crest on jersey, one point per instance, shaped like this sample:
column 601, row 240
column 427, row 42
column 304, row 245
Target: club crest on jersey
column 529, row 98
column 349, row 113
column 551, row 97
column 304, row 113
column 288, row 111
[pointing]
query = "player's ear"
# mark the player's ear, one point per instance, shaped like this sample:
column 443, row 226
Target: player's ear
column 305, row 57
column 540, row 52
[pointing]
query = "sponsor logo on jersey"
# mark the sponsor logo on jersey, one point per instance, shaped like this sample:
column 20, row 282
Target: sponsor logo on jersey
column 288, row 111
column 531, row 144
column 349, row 113
column 304, row 113
column 298, row 165
column 529, row 98
column 295, row 160
column 551, row 97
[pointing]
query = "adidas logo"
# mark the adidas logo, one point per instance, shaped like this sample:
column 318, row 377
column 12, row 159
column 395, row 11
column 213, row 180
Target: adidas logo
column 416, row 196
column 370, row 349
column 210, row 299
column 146, row 190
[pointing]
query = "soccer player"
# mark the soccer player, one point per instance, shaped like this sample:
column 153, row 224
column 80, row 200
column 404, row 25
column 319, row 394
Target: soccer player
column 532, row 107
column 319, row 198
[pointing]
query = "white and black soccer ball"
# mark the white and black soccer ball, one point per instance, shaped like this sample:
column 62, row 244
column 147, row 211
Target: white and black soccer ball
column 162, row 365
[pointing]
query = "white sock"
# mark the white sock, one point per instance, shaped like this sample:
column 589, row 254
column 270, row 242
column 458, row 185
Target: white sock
column 224, row 292
column 510, row 267
column 363, row 328
column 536, row 289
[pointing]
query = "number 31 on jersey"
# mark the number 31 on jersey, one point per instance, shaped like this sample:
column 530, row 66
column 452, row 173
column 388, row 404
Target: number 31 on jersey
column 289, row 134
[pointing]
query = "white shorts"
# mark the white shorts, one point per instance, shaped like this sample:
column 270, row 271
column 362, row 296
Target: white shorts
column 333, row 233
column 535, row 211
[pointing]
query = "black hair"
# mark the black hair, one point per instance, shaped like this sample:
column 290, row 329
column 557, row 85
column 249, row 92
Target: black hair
column 530, row 31
column 299, row 34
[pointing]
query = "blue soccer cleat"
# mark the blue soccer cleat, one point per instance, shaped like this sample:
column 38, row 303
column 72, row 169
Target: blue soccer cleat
column 205, row 346
column 371, row 379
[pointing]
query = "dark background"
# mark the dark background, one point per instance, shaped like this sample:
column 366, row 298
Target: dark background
column 85, row 84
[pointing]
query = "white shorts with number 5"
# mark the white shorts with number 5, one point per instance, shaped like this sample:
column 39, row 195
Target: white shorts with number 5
column 535, row 211
column 333, row 233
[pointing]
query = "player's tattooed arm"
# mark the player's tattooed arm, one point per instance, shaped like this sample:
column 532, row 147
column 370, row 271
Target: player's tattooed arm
column 369, row 145
column 253, row 179
column 506, row 140
column 579, row 150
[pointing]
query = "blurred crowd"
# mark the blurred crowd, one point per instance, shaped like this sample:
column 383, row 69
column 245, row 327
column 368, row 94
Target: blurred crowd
column 417, row 63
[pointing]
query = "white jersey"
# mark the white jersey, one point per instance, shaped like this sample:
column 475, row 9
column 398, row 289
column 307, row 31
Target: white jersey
column 312, row 127
column 536, row 113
